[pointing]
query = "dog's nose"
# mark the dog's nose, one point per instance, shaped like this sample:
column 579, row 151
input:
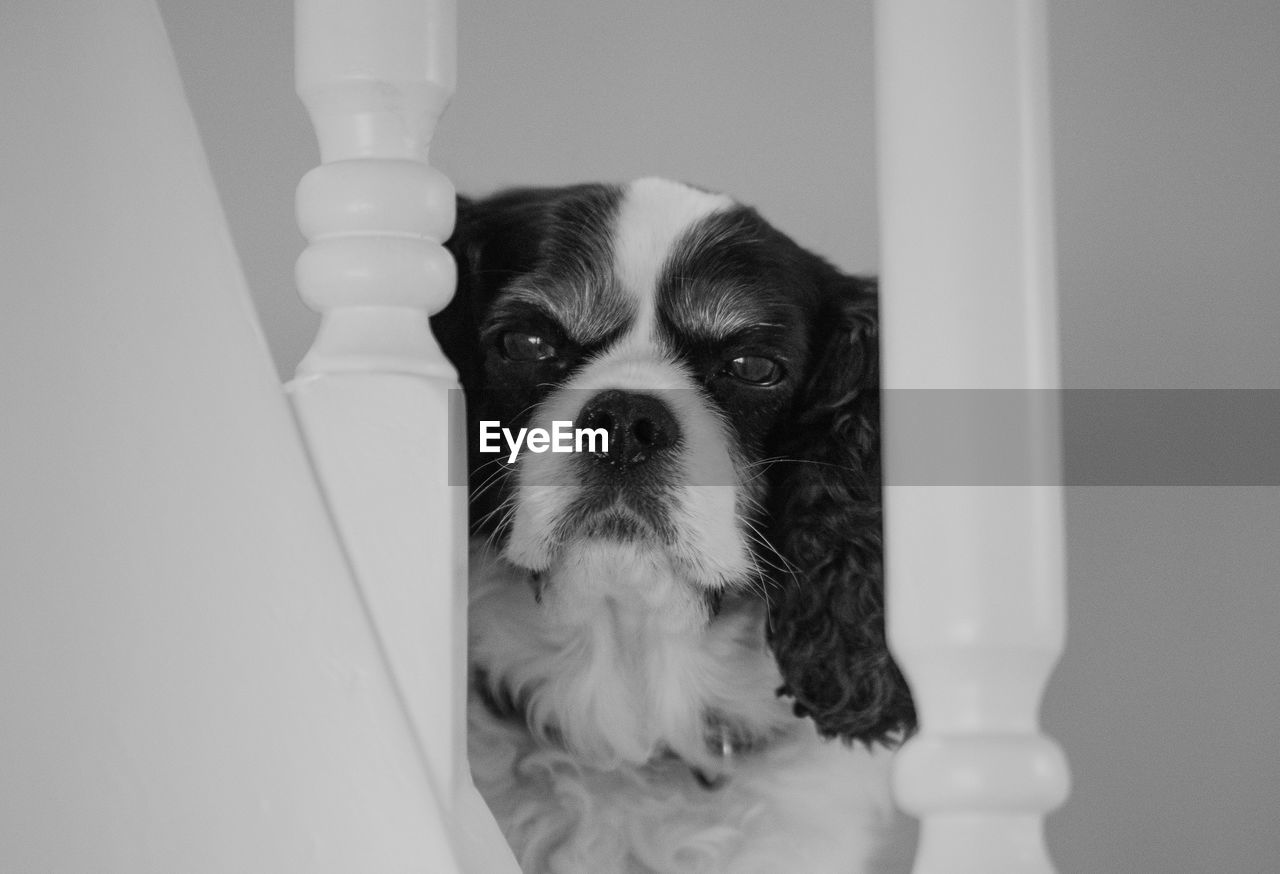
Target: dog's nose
column 639, row 426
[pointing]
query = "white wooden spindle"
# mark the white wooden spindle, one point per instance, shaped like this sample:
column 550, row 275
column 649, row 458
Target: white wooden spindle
column 373, row 394
column 975, row 597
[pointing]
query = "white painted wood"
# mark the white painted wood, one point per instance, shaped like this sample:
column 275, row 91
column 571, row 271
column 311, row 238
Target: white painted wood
column 373, row 395
column 975, row 570
column 188, row 680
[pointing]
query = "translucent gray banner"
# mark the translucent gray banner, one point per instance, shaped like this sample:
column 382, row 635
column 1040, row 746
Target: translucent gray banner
column 1074, row 437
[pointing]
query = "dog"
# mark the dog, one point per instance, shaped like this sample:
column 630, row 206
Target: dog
column 677, row 647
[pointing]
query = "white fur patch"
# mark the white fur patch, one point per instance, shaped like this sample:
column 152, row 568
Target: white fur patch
column 654, row 214
column 610, row 802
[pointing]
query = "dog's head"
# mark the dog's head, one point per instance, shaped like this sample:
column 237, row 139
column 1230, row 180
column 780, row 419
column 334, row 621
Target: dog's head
column 716, row 386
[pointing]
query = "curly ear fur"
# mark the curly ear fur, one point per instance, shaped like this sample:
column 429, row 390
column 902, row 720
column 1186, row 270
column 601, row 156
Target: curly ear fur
column 827, row 616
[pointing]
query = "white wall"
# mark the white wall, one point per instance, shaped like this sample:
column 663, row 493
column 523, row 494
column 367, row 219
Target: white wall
column 1167, row 142
column 1167, row 139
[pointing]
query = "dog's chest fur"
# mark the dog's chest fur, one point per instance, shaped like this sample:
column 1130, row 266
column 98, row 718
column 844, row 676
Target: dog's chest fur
column 627, row 798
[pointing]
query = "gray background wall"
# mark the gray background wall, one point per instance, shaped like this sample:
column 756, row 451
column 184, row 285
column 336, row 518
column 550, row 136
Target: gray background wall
column 1167, row 155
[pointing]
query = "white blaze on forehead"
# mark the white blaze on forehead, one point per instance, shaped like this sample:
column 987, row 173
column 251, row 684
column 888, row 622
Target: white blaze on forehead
column 654, row 214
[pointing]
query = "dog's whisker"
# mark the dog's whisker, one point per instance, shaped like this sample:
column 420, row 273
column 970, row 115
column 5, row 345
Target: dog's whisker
column 505, row 512
column 490, row 481
column 780, row 459
column 785, row 567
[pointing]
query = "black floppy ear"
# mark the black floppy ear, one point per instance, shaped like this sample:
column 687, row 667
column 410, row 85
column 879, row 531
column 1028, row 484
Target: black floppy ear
column 827, row 612
column 494, row 239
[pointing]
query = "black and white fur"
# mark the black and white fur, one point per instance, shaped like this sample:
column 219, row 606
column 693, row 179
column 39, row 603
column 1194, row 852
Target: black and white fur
column 667, row 639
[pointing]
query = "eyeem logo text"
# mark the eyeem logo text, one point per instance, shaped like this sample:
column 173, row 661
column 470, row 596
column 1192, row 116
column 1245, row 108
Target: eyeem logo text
column 562, row 437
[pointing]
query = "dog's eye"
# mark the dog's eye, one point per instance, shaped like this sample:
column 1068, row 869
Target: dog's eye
column 526, row 347
column 754, row 370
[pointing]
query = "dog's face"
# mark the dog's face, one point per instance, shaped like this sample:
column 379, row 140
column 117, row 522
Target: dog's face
column 724, row 382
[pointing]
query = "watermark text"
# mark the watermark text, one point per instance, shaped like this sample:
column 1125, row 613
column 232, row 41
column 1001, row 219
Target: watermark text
column 562, row 437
